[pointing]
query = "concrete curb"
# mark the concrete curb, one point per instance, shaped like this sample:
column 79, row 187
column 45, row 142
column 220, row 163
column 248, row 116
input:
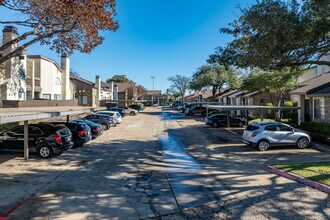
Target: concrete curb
column 299, row 179
column 320, row 147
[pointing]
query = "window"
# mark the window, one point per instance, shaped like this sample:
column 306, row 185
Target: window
column 57, row 97
column 82, row 100
column 271, row 128
column 284, row 128
column 252, row 128
column 46, row 96
column 18, row 130
column 318, row 108
column 34, row 131
column 57, row 81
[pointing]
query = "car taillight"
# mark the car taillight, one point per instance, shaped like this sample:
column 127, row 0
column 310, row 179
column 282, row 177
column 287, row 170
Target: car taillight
column 254, row 134
column 57, row 139
column 82, row 132
column 98, row 128
column 109, row 119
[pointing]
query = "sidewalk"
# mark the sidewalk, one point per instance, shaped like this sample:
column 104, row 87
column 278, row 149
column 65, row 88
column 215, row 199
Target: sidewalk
column 320, row 147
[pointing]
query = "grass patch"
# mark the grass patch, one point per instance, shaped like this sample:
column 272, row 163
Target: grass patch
column 319, row 172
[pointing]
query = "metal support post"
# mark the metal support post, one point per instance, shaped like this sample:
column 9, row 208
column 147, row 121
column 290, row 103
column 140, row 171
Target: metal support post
column 67, row 118
column 262, row 115
column 228, row 122
column 247, row 117
column 26, row 140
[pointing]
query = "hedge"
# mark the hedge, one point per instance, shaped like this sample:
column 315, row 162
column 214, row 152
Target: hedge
column 317, row 128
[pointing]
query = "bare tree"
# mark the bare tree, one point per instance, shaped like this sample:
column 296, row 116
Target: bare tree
column 64, row 25
column 179, row 84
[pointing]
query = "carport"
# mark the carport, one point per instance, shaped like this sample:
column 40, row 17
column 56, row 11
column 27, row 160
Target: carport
column 24, row 115
column 247, row 109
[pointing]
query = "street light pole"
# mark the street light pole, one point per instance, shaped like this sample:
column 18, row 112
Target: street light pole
column 153, row 82
column 153, row 88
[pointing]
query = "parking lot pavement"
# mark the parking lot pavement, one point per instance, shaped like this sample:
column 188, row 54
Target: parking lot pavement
column 158, row 165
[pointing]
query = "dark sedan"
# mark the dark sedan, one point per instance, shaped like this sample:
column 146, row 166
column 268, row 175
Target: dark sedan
column 96, row 129
column 81, row 133
column 221, row 120
column 198, row 110
column 45, row 138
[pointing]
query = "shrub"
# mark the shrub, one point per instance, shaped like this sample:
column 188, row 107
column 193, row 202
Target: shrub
column 288, row 104
column 317, row 127
column 269, row 113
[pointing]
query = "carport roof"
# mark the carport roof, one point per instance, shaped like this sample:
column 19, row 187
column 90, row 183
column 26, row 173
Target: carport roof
column 12, row 115
column 248, row 107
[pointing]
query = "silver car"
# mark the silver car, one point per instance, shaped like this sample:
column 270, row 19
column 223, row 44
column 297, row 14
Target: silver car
column 266, row 134
column 130, row 111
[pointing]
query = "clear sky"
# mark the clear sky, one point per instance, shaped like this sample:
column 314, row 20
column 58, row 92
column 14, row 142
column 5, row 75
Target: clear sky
column 157, row 38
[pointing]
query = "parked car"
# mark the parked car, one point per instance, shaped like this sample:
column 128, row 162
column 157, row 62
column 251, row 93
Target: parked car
column 179, row 107
column 120, row 110
column 117, row 117
column 81, row 132
column 136, row 107
column 243, row 117
column 96, row 129
column 198, row 110
column 186, row 107
column 45, row 138
column 221, row 120
column 105, row 120
column 130, row 111
column 266, row 134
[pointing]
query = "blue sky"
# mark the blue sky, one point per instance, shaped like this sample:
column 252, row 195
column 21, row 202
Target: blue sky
column 157, row 38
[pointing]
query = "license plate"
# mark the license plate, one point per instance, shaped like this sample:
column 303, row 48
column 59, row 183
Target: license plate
column 67, row 139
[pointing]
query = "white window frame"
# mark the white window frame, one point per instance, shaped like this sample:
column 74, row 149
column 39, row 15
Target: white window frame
column 318, row 98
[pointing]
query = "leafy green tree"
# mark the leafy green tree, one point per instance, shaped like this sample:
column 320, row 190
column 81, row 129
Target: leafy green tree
column 119, row 79
column 277, row 84
column 216, row 77
column 274, row 34
column 179, row 85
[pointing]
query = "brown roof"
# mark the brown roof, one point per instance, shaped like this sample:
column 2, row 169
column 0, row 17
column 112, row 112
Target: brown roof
column 82, row 80
column 104, row 84
column 251, row 94
column 123, row 86
column 311, row 84
column 236, row 94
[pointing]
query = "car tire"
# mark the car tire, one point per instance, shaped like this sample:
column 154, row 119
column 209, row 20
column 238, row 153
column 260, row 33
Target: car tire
column 132, row 113
column 45, row 151
column 263, row 145
column 105, row 127
column 302, row 143
column 240, row 124
column 215, row 125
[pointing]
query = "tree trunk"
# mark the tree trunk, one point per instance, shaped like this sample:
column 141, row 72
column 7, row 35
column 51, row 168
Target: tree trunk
column 214, row 91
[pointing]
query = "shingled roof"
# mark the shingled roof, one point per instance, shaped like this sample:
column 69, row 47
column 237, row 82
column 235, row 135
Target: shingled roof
column 312, row 84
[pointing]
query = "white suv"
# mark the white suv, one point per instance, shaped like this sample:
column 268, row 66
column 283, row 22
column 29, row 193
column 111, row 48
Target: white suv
column 266, row 134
